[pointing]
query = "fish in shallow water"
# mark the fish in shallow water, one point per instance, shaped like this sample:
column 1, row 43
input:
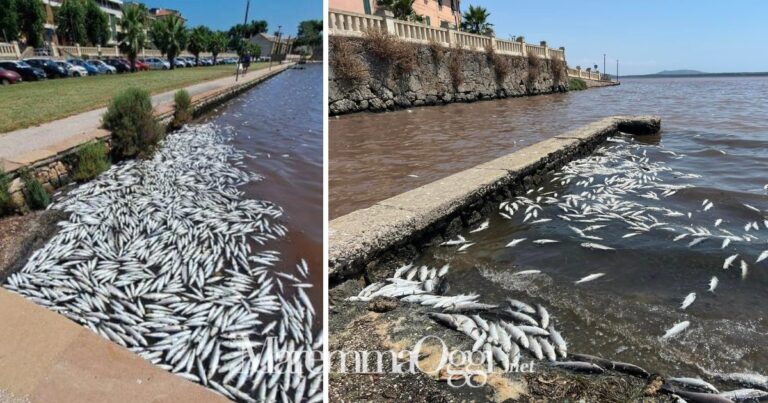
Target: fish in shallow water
column 688, row 300
column 676, row 330
column 590, row 277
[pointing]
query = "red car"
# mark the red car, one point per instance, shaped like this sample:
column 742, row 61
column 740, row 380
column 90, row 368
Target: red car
column 9, row 77
column 141, row 66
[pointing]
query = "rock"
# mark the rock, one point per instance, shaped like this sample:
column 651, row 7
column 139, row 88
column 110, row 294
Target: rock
column 383, row 304
column 653, row 386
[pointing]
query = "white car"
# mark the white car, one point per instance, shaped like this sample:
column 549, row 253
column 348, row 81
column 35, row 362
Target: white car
column 74, row 71
column 155, row 63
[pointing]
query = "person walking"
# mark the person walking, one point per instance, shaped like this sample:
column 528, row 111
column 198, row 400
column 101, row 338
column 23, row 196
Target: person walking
column 246, row 62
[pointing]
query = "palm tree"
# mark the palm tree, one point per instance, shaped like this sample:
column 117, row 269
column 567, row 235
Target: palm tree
column 475, row 20
column 170, row 36
column 198, row 41
column 217, row 44
column 133, row 37
column 402, row 9
column 256, row 27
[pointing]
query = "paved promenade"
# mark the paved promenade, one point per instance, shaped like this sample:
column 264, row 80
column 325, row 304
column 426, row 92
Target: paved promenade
column 25, row 146
column 45, row 357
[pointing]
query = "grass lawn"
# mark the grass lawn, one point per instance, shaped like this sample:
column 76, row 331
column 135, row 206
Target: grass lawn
column 32, row 103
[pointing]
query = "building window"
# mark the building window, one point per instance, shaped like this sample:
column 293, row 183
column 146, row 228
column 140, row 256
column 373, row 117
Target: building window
column 367, row 6
column 427, row 21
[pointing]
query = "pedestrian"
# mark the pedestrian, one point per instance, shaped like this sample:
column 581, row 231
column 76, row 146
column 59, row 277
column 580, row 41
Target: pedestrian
column 246, row 63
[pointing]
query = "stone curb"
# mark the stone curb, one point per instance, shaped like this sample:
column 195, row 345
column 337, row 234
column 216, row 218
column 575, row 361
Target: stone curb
column 399, row 226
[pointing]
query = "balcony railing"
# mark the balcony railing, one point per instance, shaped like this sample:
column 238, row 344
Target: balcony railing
column 344, row 23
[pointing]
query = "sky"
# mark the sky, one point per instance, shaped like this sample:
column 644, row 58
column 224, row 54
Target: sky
column 646, row 36
column 222, row 14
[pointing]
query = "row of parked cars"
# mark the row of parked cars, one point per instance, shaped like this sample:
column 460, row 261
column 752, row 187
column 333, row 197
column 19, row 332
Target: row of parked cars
column 35, row 69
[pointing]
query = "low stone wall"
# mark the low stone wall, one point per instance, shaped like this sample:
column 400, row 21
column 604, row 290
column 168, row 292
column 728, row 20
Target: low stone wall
column 54, row 171
column 368, row 241
column 439, row 75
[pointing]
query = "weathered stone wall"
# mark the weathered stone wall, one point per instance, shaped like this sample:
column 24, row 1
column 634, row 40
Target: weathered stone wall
column 52, row 173
column 431, row 81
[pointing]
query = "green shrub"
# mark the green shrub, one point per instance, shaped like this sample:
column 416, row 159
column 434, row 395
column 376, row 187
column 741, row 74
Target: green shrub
column 129, row 117
column 577, row 84
column 37, row 197
column 6, row 205
column 92, row 160
column 183, row 109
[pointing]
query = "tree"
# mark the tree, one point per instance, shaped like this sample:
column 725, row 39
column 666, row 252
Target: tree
column 402, row 9
column 170, row 36
column 217, row 44
column 475, row 20
column 256, row 27
column 70, row 22
column 310, row 34
column 97, row 26
column 133, row 38
column 9, row 20
column 199, row 38
column 31, row 17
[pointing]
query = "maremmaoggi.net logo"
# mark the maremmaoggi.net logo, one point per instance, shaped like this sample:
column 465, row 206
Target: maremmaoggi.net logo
column 430, row 355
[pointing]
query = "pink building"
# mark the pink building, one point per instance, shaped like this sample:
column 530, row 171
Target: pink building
column 436, row 13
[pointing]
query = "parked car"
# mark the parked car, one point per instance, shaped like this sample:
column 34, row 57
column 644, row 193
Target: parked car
column 105, row 68
column 206, row 61
column 191, row 61
column 91, row 69
column 155, row 63
column 178, row 63
column 140, row 66
column 73, row 70
column 264, row 59
column 9, row 77
column 50, row 67
column 27, row 72
column 119, row 66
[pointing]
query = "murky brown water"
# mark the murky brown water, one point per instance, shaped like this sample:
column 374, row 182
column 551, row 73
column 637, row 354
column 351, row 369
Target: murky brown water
column 714, row 127
column 434, row 142
column 281, row 121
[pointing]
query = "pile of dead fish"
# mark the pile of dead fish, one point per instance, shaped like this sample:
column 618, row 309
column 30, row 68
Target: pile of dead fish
column 504, row 331
column 619, row 188
column 167, row 258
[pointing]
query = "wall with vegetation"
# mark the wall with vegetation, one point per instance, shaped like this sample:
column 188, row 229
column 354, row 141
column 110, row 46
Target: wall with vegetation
column 380, row 72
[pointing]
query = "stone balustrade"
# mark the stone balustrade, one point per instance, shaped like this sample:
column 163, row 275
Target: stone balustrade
column 344, row 23
column 10, row 51
column 587, row 75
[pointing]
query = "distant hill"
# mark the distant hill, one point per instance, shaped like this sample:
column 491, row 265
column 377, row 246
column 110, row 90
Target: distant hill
column 679, row 73
column 696, row 73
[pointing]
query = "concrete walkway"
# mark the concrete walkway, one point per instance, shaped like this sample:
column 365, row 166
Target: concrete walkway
column 25, row 146
column 45, row 357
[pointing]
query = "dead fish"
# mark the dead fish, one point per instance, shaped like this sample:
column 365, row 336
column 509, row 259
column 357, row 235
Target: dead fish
column 592, row 245
column 696, row 383
column 483, row 226
column 590, row 277
column 713, row 284
column 578, row 366
column 515, row 242
column 676, row 330
column 688, row 300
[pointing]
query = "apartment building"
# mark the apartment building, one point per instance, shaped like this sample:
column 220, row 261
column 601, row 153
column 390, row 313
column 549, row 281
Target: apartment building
column 436, row 13
column 113, row 8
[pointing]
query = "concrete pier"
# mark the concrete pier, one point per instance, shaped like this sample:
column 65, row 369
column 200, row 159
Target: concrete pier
column 398, row 227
